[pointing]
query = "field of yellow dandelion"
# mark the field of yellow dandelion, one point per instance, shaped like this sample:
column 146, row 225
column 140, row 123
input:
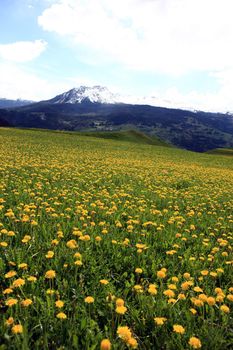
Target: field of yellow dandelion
column 113, row 245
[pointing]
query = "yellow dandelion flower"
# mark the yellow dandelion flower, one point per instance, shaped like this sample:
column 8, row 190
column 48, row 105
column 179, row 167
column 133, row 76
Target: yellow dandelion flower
column 152, row 289
column 23, row 266
column 161, row 274
column 10, row 274
column 132, row 343
column 138, row 270
column 160, row 320
column 26, row 302
column 121, row 310
column 169, row 293
column 124, row 333
column 61, row 315
column 18, row 283
column 104, row 282
column 59, row 303
column 105, row 344
column 89, row 300
column 195, row 343
column 50, row 254
column 11, row 302
column 211, row 301
column 9, row 321
column 230, row 297
column 8, row 291
column 224, row 308
column 177, row 328
column 194, row 311
column 120, row 302
column 50, row 274
column 31, row 279
column 72, row 244
column 17, row 329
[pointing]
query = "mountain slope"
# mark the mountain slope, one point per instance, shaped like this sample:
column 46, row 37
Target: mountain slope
column 86, row 109
column 6, row 103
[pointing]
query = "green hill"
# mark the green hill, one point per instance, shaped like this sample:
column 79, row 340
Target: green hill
column 222, row 151
column 128, row 135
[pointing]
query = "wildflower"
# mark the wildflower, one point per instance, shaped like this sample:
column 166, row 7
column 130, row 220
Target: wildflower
column 138, row 270
column 178, row 329
column 7, row 291
column 49, row 254
column 160, row 320
column 105, row 344
column 59, row 304
column 50, row 274
column 161, row 274
column 211, row 301
column 10, row 302
column 32, row 279
column 10, row 274
column 204, row 272
column 121, row 310
column 23, row 266
column 230, row 297
column 194, row 311
column 104, row 282
column 18, row 283
column 224, row 308
column 61, row 315
column 78, row 255
column 124, row 333
column 9, row 321
column 26, row 302
column 17, row 329
column 152, row 289
column 198, row 289
column 132, row 342
column 169, row 293
column 195, row 343
column 89, row 300
column 26, row 239
column 120, row 302
column 181, row 296
column 72, row 244
column 186, row 285
column 175, row 279
column 138, row 288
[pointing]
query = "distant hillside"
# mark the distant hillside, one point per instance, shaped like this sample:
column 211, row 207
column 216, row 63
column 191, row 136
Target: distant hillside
column 222, row 151
column 4, row 122
column 196, row 131
column 5, row 103
column 128, row 135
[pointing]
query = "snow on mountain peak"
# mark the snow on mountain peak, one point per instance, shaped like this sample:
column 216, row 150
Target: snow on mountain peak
column 95, row 94
column 101, row 94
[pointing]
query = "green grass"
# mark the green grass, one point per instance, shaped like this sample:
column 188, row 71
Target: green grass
column 222, row 151
column 92, row 209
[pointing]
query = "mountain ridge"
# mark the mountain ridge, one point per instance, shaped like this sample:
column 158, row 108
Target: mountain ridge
column 91, row 110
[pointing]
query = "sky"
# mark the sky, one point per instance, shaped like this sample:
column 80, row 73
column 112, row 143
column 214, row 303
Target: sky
column 179, row 51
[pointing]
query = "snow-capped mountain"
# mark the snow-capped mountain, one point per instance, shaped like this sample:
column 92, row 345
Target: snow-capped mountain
column 94, row 94
column 101, row 94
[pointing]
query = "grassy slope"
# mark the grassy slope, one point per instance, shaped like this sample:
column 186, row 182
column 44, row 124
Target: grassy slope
column 64, row 180
column 222, row 151
column 124, row 135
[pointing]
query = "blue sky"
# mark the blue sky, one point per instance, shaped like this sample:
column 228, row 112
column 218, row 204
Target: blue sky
column 176, row 50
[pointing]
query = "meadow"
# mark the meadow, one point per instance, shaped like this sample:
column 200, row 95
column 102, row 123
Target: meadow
column 113, row 245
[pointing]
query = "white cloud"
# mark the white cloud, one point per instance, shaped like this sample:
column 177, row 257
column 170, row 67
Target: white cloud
column 17, row 82
column 169, row 36
column 22, row 51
